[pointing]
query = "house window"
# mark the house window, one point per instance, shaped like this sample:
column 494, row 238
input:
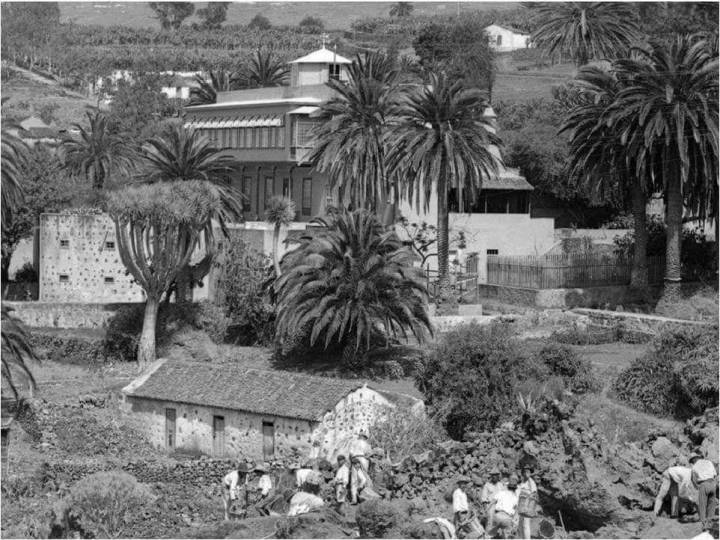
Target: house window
column 334, row 71
column 492, row 252
column 218, row 435
column 499, row 41
column 109, row 245
column 280, row 139
column 170, row 429
column 307, row 197
column 286, row 188
column 269, row 181
column 246, row 183
column 303, row 133
column 265, row 137
column 64, row 278
column 109, row 279
column 65, row 244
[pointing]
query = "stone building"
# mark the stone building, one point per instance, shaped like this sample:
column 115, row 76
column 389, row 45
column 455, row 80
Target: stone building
column 230, row 410
column 504, row 39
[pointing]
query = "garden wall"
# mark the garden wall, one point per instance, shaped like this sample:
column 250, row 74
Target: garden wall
column 62, row 315
column 637, row 322
column 556, row 298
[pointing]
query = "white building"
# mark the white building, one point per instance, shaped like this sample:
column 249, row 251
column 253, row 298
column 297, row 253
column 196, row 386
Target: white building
column 230, row 410
column 178, row 86
column 503, row 39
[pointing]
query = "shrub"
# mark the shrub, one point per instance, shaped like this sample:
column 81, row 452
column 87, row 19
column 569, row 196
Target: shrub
column 366, row 24
column 311, row 25
column 242, row 275
column 677, row 376
column 69, row 347
column 376, row 517
column 401, row 432
column 26, row 274
column 259, row 22
column 563, row 362
column 472, row 373
column 125, row 327
column 106, row 503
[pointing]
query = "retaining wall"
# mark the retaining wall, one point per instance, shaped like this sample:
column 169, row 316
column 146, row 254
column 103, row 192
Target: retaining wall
column 556, row 298
column 638, row 322
column 61, row 315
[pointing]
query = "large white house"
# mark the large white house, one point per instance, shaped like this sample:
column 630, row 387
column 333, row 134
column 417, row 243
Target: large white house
column 269, row 131
column 504, row 39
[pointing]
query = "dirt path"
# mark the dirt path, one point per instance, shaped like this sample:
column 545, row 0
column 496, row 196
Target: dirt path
column 41, row 79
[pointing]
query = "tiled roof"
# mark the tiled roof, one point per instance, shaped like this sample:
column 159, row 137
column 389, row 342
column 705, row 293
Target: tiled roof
column 234, row 387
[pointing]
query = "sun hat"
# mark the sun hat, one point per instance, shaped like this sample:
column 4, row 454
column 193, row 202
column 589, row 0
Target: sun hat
column 462, row 479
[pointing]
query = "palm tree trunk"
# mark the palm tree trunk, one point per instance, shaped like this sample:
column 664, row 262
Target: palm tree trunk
column 673, row 220
column 183, row 290
column 443, row 227
column 276, row 255
column 146, row 346
column 639, row 271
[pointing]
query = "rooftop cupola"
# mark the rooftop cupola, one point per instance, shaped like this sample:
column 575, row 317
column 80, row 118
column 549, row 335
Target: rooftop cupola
column 318, row 67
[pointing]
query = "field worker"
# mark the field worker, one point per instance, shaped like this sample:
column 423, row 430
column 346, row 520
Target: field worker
column 267, row 494
column 342, row 480
column 303, row 474
column 704, row 478
column 464, row 519
column 490, row 489
column 232, row 482
column 361, row 449
column 527, row 501
column 676, row 481
column 503, row 510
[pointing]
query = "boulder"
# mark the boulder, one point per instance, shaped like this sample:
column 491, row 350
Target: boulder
column 664, row 454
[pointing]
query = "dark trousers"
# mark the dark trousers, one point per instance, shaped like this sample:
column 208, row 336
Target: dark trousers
column 707, row 501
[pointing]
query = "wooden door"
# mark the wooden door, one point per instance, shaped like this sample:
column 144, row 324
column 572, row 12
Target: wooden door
column 268, row 430
column 218, row 435
column 170, row 429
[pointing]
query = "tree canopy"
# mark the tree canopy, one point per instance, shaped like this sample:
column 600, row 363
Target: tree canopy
column 172, row 14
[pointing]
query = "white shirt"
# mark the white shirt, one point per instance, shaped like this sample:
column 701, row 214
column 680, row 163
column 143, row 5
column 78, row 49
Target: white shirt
column 506, row 501
column 489, row 490
column 682, row 476
column 265, row 485
column 342, row 476
column 231, row 480
column 302, row 475
column 528, row 486
column 460, row 502
column 302, row 503
column 703, row 470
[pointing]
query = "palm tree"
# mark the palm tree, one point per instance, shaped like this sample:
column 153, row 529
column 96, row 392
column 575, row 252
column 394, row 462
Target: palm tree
column 14, row 157
column 347, row 282
column 669, row 115
column 401, row 9
column 600, row 160
column 586, row 31
column 98, row 152
column 265, row 69
column 205, row 93
column 442, row 142
column 350, row 144
column 16, row 351
column 280, row 213
column 184, row 155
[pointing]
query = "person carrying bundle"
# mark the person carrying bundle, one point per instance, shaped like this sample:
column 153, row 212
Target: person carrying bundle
column 232, row 483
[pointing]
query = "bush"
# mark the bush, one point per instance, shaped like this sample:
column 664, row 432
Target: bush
column 376, row 517
column 106, row 503
column 125, row 327
column 563, row 362
column 26, row 274
column 242, row 276
column 472, row 373
column 68, row 346
column 259, row 22
column 311, row 25
column 367, row 24
column 400, row 432
column 678, row 376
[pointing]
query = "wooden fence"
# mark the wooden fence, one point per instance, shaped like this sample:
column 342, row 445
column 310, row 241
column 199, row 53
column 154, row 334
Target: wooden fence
column 566, row 271
column 462, row 282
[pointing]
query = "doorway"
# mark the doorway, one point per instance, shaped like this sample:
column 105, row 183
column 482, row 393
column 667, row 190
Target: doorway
column 268, row 430
column 170, row 429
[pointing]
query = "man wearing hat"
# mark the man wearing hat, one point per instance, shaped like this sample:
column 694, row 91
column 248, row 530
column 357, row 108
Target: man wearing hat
column 464, row 520
column 267, row 494
column 503, row 510
column 493, row 486
column 361, row 449
column 704, row 478
column 527, row 501
column 232, row 482
column 342, row 481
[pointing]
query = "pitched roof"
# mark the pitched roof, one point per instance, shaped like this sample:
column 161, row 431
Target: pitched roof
column 322, row 56
column 234, row 387
column 509, row 29
column 507, row 179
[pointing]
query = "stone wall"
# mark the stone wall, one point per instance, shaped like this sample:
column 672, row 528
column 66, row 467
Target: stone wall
column 80, row 261
column 637, row 322
column 243, row 431
column 61, row 315
column 557, row 298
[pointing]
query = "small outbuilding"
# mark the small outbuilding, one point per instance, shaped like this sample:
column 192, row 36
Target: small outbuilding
column 229, row 410
column 505, row 39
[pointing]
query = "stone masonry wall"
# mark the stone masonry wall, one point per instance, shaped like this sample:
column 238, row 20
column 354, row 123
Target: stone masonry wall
column 61, row 315
column 242, row 430
column 80, row 262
